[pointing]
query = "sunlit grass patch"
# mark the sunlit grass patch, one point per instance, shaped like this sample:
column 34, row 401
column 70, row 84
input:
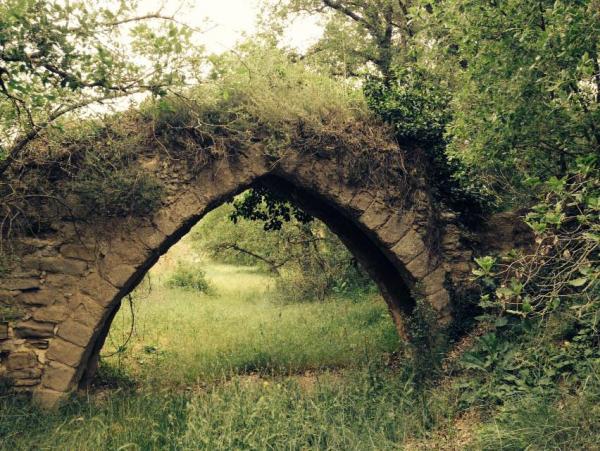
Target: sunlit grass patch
column 184, row 338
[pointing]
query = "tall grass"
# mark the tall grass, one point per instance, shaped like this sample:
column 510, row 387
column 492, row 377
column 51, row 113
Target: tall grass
column 235, row 370
column 570, row 422
column 183, row 337
column 368, row 409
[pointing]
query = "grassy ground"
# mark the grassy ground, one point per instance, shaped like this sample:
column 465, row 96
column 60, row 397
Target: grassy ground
column 238, row 370
column 187, row 338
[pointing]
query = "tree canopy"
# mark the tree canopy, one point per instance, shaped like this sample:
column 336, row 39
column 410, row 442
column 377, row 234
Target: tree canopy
column 57, row 58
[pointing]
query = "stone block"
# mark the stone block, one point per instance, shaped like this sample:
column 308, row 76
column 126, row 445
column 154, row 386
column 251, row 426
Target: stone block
column 39, row 297
column 165, row 223
column 420, row 266
column 58, row 377
column 395, row 228
column 52, row 314
column 7, row 296
column 78, row 252
column 48, row 399
column 440, row 301
column 60, row 265
column 409, row 247
column 130, row 252
column 98, row 289
column 25, row 373
column 34, row 329
column 29, row 283
column 434, row 281
column 31, row 262
column 150, row 237
column 86, row 311
column 3, row 331
column 21, row 360
column 65, row 352
column 361, row 201
column 375, row 216
column 39, row 343
column 25, row 382
column 74, row 332
column 119, row 275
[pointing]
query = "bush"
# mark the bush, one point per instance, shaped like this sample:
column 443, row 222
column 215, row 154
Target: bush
column 541, row 306
column 117, row 193
column 188, row 278
column 312, row 282
column 542, row 423
column 564, row 265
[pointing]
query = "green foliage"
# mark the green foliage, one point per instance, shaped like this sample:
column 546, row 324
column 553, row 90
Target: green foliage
column 242, row 103
column 543, row 304
column 10, row 312
column 189, row 278
column 260, row 204
column 106, row 192
column 416, row 103
column 309, row 260
column 56, row 58
column 513, row 86
column 184, row 337
column 527, row 100
column 360, row 410
column 6, row 387
column 532, row 358
column 80, row 170
column 564, row 266
column 358, row 35
column 535, row 422
column 427, row 341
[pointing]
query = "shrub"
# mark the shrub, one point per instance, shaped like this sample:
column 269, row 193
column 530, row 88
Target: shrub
column 313, row 282
column 189, row 278
column 117, row 193
column 542, row 423
column 541, row 305
column 564, row 265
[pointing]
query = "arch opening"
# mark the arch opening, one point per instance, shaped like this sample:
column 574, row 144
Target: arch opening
column 372, row 259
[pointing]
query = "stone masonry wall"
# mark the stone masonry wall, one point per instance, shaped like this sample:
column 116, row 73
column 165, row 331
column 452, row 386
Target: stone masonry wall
column 68, row 284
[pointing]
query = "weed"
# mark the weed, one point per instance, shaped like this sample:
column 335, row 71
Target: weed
column 189, row 278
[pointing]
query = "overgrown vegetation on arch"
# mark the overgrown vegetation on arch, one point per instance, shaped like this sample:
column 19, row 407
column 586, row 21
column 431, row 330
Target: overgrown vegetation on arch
column 90, row 168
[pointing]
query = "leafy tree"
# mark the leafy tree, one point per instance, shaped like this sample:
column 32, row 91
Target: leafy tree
column 358, row 32
column 526, row 102
column 59, row 57
column 387, row 44
column 260, row 204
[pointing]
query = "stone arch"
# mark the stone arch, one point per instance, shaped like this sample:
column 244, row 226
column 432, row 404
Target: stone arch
column 70, row 282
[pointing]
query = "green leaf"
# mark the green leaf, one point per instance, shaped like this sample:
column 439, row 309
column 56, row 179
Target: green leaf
column 579, row 282
column 501, row 322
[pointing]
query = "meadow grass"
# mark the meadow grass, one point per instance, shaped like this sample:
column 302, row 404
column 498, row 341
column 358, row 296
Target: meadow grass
column 184, row 337
column 236, row 370
column 239, row 369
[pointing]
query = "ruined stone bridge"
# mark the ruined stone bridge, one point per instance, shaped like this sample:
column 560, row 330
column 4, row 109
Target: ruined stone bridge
column 67, row 280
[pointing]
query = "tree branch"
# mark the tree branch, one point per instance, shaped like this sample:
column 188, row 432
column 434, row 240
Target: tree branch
column 345, row 10
column 273, row 265
column 36, row 129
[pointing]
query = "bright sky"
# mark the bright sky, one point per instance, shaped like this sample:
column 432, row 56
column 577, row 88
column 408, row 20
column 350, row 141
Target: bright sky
column 226, row 22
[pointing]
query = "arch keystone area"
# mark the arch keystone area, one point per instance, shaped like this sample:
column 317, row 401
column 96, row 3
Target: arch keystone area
column 66, row 276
